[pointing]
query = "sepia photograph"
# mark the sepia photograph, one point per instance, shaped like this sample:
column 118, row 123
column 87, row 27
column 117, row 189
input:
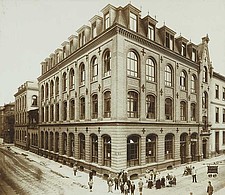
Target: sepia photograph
column 112, row 97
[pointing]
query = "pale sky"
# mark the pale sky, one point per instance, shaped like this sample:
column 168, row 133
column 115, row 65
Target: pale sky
column 30, row 30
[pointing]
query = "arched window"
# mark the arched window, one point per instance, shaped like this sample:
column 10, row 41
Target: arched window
column 183, row 111
column 52, row 112
column 82, row 146
column 132, row 150
column 107, row 150
column 42, row 139
column 82, row 74
column 71, row 81
column 71, row 145
column 169, row 142
column 183, row 147
column 82, row 108
column 51, row 141
column 193, row 83
column 107, row 63
column 132, row 64
column 205, row 75
column 46, row 140
column 57, row 86
column 150, row 106
column 132, row 104
column 64, row 143
column 94, row 148
column 57, row 142
column 57, row 112
column 193, row 112
column 42, row 93
column 150, row 70
column 51, row 88
column 204, row 100
column 34, row 100
column 64, row 82
column 107, row 104
column 94, row 69
column 183, row 80
column 65, row 110
column 95, row 106
column 46, row 114
column 72, row 109
column 168, row 76
column 151, row 148
column 168, row 109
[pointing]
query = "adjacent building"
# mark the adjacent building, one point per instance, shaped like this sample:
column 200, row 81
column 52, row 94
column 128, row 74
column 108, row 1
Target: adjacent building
column 26, row 116
column 125, row 94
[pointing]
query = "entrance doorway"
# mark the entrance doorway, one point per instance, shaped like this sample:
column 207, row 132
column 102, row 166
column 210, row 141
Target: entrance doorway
column 217, row 147
column 204, row 148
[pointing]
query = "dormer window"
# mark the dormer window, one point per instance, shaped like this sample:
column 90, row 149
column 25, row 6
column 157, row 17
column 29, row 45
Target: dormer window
column 71, row 46
column 46, row 66
column 183, row 49
column 52, row 62
column 194, row 55
column 64, row 52
column 94, row 30
column 151, row 32
column 133, row 22
column 107, row 20
column 57, row 58
column 169, row 41
column 82, row 39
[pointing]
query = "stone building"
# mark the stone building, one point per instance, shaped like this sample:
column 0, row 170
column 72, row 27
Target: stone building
column 125, row 94
column 26, row 116
column 1, row 121
column 217, row 105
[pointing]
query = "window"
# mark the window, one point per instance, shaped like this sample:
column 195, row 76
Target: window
column 223, row 93
column 204, row 100
column 57, row 58
column 168, row 76
column 107, row 104
column 46, row 113
column 64, row 52
column 217, row 91
column 151, row 148
column 223, row 115
column 52, row 113
column 71, row 81
column 94, row 148
column 132, row 105
column 71, row 46
column 42, row 93
column 169, row 146
column 151, row 32
column 183, row 111
column 94, row 69
column 82, row 146
column 169, row 41
column 183, row 80
column 64, row 110
column 71, row 145
column 34, row 100
column 183, row 49
column 194, row 55
column 94, row 30
column 82, row 74
column 107, row 24
column 107, row 150
column 82, row 108
column 95, row 106
column 132, row 150
column 82, row 40
column 46, row 91
column 57, row 112
column 64, row 82
column 150, row 107
column 51, row 88
column 217, row 115
column 193, row 84
column 193, row 112
column 57, row 86
column 168, row 109
column 205, row 75
column 132, row 64
column 133, row 22
column 56, row 142
column 72, row 109
column 150, row 70
column 107, row 63
column 223, row 137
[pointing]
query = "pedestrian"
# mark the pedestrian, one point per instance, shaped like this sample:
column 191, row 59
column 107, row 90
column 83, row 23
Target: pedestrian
column 154, row 174
column 125, row 188
column 90, row 176
column 194, row 174
column 132, row 188
column 210, row 189
column 110, row 183
column 90, row 184
column 121, row 187
column 75, row 168
column 140, row 186
column 116, row 181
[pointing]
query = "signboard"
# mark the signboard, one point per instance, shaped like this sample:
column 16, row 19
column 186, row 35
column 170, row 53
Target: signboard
column 212, row 169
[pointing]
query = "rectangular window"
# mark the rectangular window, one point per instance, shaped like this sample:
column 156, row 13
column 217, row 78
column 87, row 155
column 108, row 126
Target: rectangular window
column 107, row 21
column 171, row 41
column 183, row 49
column 167, row 40
column 64, row 52
column 94, row 30
column 133, row 22
column 151, row 33
column 217, row 115
column 193, row 55
column 223, row 115
column 71, row 46
column 217, row 91
column 223, row 93
column 81, row 39
column 223, row 137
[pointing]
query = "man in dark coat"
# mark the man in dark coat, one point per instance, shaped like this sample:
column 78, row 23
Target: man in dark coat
column 210, row 189
column 132, row 188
